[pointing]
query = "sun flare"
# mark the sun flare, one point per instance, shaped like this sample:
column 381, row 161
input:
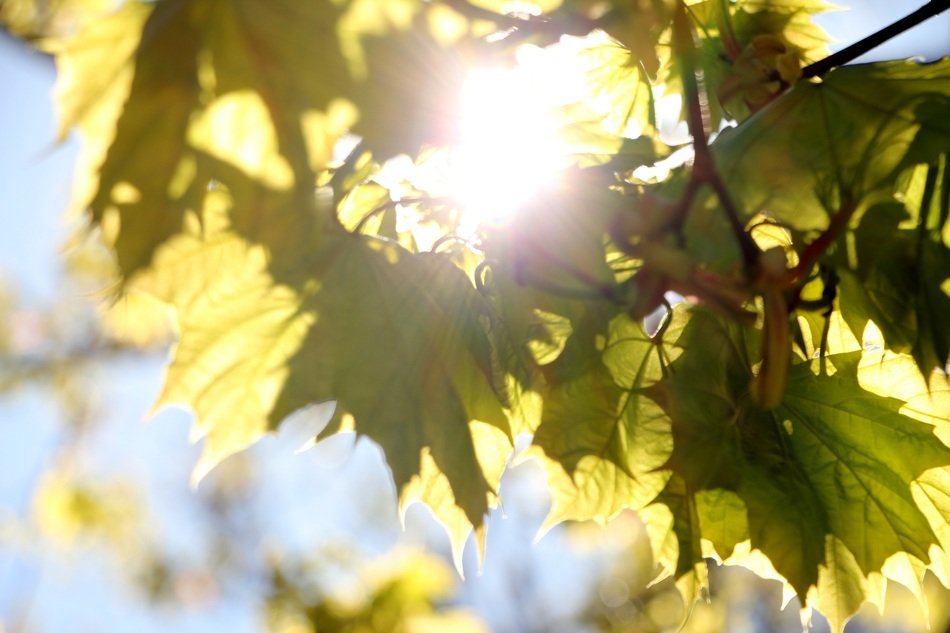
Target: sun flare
column 509, row 149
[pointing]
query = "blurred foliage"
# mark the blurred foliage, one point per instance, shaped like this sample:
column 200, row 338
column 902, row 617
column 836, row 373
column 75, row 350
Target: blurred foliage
column 67, row 510
column 389, row 595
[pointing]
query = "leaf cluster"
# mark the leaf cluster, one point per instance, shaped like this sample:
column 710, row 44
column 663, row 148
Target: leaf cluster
column 795, row 404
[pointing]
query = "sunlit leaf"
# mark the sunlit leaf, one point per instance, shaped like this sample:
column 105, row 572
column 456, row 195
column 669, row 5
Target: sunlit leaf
column 901, row 277
column 406, row 70
column 556, row 243
column 604, row 432
column 722, row 520
column 833, row 460
column 204, row 105
column 46, row 21
column 397, row 342
column 616, row 88
column 749, row 51
column 844, row 138
column 432, row 487
column 393, row 338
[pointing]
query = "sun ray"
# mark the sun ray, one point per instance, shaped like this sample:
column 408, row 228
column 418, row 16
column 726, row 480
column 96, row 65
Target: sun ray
column 510, row 148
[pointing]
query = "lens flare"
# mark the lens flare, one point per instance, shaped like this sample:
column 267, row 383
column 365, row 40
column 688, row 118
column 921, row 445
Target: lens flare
column 510, row 148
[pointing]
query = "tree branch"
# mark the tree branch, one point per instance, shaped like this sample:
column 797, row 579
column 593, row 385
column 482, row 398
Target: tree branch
column 703, row 167
column 874, row 40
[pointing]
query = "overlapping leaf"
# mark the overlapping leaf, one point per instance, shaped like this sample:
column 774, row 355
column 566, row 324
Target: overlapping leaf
column 789, row 19
column 846, row 137
column 826, row 477
column 204, row 89
column 222, row 91
column 394, row 338
column 899, row 279
column 675, row 534
column 405, row 72
column 739, row 49
column 397, row 342
column 607, row 440
column 616, row 86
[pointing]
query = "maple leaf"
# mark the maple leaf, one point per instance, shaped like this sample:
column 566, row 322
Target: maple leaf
column 864, row 124
column 825, row 477
column 607, row 440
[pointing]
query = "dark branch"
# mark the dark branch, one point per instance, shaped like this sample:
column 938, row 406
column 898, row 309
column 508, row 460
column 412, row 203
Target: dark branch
column 861, row 47
column 703, row 167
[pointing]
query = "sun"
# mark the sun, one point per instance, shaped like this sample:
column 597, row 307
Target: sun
column 509, row 150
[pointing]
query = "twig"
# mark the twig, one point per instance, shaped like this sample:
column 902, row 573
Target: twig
column 850, row 53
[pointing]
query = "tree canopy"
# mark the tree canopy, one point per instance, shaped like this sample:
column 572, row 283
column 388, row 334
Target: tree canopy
column 740, row 332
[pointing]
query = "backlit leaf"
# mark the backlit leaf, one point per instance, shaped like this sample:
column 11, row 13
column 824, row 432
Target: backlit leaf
column 834, row 461
column 394, row 338
column 198, row 92
column 846, row 137
column 901, row 277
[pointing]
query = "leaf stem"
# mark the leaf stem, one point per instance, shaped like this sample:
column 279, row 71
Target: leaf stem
column 823, row 344
column 823, row 242
column 850, row 53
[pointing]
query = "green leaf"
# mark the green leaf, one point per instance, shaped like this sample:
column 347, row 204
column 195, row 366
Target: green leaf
column 876, row 452
column 608, row 447
column 408, row 67
column 616, row 88
column 842, row 587
column 701, row 396
column 722, row 520
column 238, row 330
column 394, row 338
column 834, row 460
column 605, row 442
column 202, row 78
column 738, row 74
column 681, row 553
column 42, row 22
column 556, row 243
column 792, row 20
column 432, row 487
column 900, row 278
column 932, row 493
column 397, row 342
column 846, row 137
